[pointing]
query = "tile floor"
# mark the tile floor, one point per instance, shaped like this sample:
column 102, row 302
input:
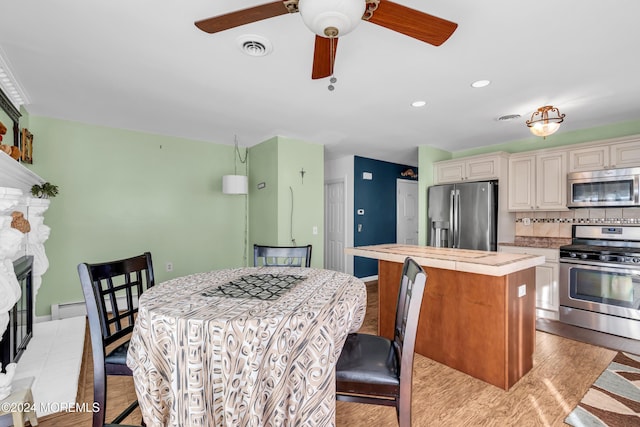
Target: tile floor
column 54, row 358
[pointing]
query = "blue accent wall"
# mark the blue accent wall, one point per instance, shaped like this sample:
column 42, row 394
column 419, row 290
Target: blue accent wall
column 377, row 197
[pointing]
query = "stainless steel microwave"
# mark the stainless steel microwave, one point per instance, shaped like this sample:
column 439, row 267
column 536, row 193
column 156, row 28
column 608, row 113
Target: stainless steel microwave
column 603, row 188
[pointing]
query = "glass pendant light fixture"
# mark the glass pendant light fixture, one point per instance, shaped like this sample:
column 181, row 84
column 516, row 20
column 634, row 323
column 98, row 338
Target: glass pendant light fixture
column 541, row 124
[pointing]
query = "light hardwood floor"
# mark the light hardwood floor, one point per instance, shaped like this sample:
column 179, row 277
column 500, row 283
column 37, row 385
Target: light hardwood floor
column 563, row 371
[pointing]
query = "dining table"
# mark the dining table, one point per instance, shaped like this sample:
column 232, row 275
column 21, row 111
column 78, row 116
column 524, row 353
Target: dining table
column 250, row 346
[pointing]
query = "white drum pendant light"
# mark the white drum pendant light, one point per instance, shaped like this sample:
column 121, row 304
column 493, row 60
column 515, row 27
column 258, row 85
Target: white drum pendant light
column 235, row 184
column 331, row 18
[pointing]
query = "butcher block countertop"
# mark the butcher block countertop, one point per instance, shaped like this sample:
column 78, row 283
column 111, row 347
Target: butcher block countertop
column 465, row 260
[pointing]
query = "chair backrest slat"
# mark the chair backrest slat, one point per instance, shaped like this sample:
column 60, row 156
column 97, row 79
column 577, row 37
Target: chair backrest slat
column 282, row 256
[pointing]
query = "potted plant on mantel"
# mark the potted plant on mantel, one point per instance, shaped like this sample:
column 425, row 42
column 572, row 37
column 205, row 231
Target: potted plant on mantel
column 44, row 191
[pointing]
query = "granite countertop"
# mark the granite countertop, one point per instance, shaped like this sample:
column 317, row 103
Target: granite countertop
column 538, row 242
column 470, row 261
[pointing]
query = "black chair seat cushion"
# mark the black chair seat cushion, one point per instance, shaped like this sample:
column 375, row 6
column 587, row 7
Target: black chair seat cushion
column 368, row 359
column 115, row 363
column 118, row 356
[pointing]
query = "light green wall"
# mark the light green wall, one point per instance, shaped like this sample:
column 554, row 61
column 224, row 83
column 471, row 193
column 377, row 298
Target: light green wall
column 263, row 206
column 427, row 156
column 124, row 192
column 305, row 193
column 270, row 208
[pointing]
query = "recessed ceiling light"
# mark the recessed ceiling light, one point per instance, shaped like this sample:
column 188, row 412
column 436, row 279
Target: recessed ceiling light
column 480, row 83
column 254, row 45
column 418, row 103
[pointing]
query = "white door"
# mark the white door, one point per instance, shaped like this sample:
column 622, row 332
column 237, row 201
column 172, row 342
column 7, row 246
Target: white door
column 407, row 212
column 334, row 226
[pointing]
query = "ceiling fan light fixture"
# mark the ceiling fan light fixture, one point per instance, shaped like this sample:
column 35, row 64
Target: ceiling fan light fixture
column 331, row 18
column 541, row 124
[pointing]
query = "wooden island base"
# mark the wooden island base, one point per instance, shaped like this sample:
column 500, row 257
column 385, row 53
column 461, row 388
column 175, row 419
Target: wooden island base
column 471, row 322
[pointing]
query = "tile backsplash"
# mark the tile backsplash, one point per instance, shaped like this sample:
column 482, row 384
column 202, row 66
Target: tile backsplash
column 558, row 224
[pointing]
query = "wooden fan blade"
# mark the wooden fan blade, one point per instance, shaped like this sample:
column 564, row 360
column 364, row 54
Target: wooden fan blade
column 242, row 17
column 324, row 57
column 413, row 23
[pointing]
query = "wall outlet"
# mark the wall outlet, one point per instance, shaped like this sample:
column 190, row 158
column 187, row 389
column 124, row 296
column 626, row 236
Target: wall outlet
column 526, row 221
column 522, row 291
column 169, row 266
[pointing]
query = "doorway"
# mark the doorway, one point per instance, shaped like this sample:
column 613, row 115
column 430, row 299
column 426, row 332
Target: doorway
column 407, row 212
column 335, row 225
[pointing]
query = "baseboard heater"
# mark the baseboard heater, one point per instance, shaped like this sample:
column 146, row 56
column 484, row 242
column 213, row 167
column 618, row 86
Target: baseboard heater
column 79, row 308
column 68, row 309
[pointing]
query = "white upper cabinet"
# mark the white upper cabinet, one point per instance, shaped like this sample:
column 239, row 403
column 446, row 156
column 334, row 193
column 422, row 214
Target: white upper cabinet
column 450, row 171
column 475, row 168
column 625, row 155
column 605, row 155
column 522, row 182
column 538, row 181
column 551, row 181
column 588, row 159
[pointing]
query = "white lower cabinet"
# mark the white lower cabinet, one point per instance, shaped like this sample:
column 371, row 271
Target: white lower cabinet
column 547, row 277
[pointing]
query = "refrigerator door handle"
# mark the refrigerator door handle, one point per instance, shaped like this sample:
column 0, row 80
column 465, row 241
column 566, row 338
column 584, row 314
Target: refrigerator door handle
column 452, row 215
column 456, row 219
column 455, row 204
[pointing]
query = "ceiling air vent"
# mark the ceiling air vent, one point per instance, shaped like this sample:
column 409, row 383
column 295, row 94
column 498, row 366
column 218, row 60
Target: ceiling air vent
column 254, row 45
column 508, row 117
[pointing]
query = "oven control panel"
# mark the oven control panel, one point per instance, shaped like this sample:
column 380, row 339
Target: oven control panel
column 633, row 259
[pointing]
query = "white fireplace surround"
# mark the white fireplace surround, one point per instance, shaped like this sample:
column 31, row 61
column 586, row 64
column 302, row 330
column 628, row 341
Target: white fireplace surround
column 15, row 195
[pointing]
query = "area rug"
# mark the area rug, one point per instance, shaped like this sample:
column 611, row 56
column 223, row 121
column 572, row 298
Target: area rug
column 614, row 398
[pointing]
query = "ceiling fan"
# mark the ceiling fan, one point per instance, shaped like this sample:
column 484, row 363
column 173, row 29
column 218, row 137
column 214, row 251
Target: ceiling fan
column 330, row 19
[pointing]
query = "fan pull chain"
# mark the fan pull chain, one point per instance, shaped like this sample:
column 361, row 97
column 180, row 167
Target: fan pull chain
column 331, row 58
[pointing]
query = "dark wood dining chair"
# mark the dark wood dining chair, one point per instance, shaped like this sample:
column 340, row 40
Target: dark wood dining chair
column 376, row 370
column 111, row 291
column 282, row 256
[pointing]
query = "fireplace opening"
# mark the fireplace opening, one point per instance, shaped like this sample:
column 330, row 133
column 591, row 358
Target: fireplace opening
column 20, row 328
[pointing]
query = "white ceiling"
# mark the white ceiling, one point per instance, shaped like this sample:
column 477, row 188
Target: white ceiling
column 143, row 65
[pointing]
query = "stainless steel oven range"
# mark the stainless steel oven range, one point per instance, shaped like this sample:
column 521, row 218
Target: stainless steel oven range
column 600, row 279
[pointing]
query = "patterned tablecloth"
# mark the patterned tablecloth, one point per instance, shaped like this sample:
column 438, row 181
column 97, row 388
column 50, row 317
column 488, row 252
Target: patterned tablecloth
column 243, row 347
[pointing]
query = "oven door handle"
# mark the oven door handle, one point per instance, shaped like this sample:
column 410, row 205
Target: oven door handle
column 622, row 268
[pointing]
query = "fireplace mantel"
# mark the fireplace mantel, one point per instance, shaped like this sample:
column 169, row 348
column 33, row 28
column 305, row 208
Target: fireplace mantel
column 15, row 195
column 14, row 175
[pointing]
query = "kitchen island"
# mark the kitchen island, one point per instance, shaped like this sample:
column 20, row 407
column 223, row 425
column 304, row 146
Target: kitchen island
column 478, row 312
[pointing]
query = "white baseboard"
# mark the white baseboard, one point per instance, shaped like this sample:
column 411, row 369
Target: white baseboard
column 369, row 278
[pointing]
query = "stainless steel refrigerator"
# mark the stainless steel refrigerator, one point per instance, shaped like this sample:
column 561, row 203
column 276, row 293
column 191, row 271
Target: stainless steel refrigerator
column 463, row 215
